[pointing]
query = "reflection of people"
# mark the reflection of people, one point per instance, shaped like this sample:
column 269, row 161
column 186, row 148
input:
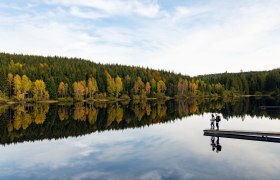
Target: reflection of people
column 213, row 143
column 212, row 120
column 218, row 146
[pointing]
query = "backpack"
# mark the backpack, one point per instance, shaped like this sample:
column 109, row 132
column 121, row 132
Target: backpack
column 218, row 118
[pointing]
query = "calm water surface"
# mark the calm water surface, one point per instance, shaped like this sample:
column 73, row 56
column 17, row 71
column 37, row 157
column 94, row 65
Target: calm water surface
column 136, row 141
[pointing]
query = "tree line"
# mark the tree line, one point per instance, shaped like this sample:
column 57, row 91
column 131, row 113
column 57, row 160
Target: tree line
column 247, row 83
column 36, row 78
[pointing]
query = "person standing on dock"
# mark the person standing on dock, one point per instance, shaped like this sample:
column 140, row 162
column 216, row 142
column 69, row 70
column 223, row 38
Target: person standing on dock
column 212, row 120
column 218, row 119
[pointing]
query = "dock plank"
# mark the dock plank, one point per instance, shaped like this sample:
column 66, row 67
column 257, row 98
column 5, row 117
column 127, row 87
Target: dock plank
column 242, row 132
column 245, row 137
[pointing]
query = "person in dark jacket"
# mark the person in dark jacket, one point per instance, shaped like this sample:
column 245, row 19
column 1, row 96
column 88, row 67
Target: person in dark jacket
column 218, row 119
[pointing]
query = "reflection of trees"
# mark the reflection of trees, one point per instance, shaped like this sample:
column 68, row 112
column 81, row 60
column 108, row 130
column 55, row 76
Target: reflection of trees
column 19, row 114
column 26, row 121
column 3, row 109
column 139, row 111
column 119, row 116
column 16, row 123
column 22, row 119
column 161, row 110
column 63, row 113
column 79, row 112
column 23, row 116
column 111, row 115
column 92, row 115
column 186, row 108
column 40, row 111
column 114, row 113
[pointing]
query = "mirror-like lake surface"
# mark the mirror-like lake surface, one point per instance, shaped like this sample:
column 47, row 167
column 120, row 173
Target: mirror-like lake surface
column 144, row 140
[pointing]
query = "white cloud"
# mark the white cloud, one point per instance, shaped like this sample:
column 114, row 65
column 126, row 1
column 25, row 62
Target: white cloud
column 88, row 15
column 242, row 40
column 113, row 7
column 188, row 39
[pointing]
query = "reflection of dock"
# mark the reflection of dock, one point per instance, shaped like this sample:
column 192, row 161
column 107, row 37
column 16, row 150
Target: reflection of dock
column 270, row 107
column 245, row 135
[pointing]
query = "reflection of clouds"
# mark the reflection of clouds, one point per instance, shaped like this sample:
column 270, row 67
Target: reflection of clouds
column 249, row 158
column 49, row 153
column 237, row 156
column 256, row 160
column 116, row 152
column 157, row 152
column 153, row 175
column 92, row 175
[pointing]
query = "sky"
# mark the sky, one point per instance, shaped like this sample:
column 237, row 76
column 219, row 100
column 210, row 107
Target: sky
column 191, row 37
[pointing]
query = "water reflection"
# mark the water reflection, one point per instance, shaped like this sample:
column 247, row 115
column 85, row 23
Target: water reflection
column 29, row 122
column 175, row 150
column 215, row 144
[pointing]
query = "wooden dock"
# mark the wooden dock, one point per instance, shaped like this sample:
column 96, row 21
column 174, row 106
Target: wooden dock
column 245, row 135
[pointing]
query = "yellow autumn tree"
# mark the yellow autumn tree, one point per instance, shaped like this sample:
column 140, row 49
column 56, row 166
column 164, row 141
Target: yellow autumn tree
column 161, row 87
column 153, row 85
column 148, row 88
column 39, row 91
column 138, row 86
column 79, row 89
column 119, row 86
column 62, row 89
column 182, row 86
column 18, row 87
column 111, row 85
column 26, row 85
column 92, row 87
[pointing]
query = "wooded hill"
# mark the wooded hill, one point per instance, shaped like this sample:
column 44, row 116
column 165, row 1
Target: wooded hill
column 253, row 83
column 37, row 78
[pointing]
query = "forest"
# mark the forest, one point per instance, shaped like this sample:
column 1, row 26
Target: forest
column 36, row 78
column 250, row 83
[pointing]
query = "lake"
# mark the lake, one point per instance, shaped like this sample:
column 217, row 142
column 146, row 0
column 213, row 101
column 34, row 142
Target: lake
column 141, row 140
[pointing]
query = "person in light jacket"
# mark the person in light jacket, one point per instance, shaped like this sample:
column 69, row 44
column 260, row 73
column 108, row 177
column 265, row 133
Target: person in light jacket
column 212, row 120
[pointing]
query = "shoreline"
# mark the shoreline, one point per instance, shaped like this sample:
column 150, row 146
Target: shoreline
column 10, row 102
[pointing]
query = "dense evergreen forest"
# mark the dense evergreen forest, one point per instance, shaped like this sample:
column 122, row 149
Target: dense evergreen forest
column 253, row 83
column 38, row 78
